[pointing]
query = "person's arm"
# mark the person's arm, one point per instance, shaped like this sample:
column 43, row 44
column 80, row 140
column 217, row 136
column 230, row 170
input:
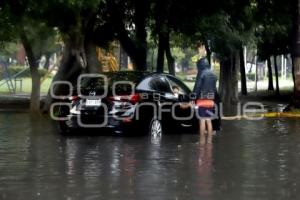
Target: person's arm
column 196, row 83
column 197, row 87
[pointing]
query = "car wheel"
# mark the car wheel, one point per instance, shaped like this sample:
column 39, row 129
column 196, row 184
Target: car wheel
column 155, row 128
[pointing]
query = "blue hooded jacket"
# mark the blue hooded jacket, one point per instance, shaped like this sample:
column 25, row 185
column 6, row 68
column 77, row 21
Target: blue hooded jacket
column 206, row 80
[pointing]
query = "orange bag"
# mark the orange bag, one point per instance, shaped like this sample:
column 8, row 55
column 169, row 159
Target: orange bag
column 205, row 103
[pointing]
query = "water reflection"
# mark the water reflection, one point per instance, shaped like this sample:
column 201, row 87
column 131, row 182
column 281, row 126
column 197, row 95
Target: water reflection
column 249, row 160
column 205, row 166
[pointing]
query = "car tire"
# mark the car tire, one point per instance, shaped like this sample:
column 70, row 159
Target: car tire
column 155, row 128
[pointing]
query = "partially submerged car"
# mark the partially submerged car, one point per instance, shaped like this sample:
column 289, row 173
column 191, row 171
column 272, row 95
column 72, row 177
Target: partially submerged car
column 127, row 101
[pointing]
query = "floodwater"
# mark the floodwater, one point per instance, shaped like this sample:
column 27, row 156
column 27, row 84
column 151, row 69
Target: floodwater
column 248, row 160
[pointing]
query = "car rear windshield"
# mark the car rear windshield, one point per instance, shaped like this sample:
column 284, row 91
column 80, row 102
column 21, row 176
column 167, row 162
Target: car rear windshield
column 124, row 82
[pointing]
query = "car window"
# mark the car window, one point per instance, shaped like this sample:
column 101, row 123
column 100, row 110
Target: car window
column 175, row 83
column 160, row 84
column 122, row 81
column 145, row 84
column 157, row 83
column 112, row 77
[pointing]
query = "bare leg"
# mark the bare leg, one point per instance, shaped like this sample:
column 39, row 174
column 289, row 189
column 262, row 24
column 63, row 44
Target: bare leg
column 209, row 131
column 202, row 131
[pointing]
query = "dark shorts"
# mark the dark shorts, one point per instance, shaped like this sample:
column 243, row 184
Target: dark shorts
column 205, row 112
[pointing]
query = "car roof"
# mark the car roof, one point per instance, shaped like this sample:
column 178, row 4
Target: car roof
column 160, row 74
column 141, row 75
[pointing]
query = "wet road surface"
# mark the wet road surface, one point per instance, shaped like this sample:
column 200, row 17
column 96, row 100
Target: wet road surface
column 248, row 160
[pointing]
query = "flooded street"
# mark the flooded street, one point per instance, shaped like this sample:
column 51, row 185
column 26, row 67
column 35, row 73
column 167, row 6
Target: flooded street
column 248, row 160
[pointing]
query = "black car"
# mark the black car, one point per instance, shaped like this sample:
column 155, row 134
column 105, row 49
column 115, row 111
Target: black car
column 127, row 101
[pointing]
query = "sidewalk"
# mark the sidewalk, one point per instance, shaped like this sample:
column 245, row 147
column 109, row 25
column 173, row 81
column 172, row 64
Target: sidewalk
column 16, row 101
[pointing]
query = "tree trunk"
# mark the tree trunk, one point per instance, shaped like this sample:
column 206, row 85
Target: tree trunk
column 35, row 90
column 160, row 54
column 93, row 64
column 141, row 8
column 256, row 74
column 208, row 51
column 123, row 61
column 270, row 74
column 71, row 64
column 136, row 52
column 277, row 76
column 296, row 72
column 135, row 48
column 251, row 66
column 164, row 47
column 235, row 78
column 70, row 68
column 122, row 34
column 35, row 76
column 243, row 72
column 170, row 59
column 224, row 84
column 296, row 55
column 152, row 60
column 294, row 61
column 229, row 80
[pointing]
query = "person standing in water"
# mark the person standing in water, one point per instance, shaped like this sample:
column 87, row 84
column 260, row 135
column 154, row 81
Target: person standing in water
column 204, row 91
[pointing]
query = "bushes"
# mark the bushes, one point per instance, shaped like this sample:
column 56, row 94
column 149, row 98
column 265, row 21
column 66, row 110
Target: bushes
column 13, row 70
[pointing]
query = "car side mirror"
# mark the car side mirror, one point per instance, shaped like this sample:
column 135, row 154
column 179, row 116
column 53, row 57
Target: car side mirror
column 170, row 96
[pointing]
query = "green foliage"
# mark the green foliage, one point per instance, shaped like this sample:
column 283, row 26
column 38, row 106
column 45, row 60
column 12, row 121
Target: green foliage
column 183, row 56
column 225, row 24
column 274, row 27
column 22, row 16
column 9, row 49
column 43, row 39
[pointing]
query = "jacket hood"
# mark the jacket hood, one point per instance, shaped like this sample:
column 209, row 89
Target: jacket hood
column 202, row 64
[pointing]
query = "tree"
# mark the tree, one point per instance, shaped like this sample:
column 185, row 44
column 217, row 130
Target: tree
column 20, row 27
column 128, row 20
column 80, row 32
column 243, row 71
column 270, row 74
column 296, row 54
column 163, row 30
column 274, row 30
column 226, row 26
column 276, row 75
column 227, row 41
column 242, row 29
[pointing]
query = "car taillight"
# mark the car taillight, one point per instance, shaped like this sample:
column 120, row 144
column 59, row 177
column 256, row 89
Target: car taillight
column 134, row 98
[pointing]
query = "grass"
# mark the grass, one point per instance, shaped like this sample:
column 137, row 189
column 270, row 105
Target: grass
column 26, row 86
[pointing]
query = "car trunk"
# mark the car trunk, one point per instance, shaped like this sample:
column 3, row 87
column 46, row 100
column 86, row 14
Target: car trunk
column 95, row 102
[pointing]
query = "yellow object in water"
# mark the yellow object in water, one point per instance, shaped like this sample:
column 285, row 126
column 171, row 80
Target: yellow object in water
column 281, row 114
